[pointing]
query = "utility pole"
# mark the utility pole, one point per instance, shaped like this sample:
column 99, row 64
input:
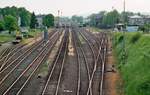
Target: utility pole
column 58, row 17
column 58, row 21
column 124, row 30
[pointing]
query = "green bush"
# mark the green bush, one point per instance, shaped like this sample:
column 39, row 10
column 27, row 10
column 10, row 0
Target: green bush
column 120, row 39
column 2, row 26
column 135, row 73
column 135, row 37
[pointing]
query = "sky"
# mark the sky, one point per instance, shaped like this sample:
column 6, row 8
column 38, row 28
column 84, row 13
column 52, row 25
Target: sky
column 78, row 7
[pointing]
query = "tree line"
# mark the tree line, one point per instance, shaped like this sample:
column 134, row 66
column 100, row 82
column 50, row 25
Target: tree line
column 9, row 17
column 106, row 19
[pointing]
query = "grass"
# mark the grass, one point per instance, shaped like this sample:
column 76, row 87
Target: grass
column 136, row 72
column 34, row 32
column 6, row 38
column 31, row 34
column 94, row 29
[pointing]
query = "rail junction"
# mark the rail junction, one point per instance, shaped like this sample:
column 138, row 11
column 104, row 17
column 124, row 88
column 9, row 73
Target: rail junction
column 77, row 68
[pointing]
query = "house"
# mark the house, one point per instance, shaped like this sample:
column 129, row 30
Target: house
column 136, row 20
column 1, row 17
column 40, row 20
column 147, row 19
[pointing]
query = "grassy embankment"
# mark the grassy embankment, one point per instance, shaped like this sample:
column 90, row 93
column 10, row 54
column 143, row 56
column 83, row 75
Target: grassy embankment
column 136, row 72
column 94, row 29
column 6, row 38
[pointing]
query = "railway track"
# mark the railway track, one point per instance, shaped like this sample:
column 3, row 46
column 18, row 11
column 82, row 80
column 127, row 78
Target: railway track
column 11, row 55
column 19, row 56
column 83, row 69
column 19, row 69
column 97, row 79
column 20, row 66
column 91, row 54
column 54, row 77
column 97, row 76
column 93, row 39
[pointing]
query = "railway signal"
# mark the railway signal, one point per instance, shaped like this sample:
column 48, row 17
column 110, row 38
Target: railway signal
column 45, row 34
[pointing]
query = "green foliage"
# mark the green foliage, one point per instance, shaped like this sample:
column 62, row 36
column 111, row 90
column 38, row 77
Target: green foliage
column 13, row 11
column 11, row 23
column 48, row 20
column 96, row 19
column 135, row 73
column 6, row 38
column 111, row 18
column 135, row 37
column 17, row 12
column 25, row 17
column 145, row 28
column 34, row 22
column 2, row 26
column 121, row 38
column 124, row 16
column 77, row 19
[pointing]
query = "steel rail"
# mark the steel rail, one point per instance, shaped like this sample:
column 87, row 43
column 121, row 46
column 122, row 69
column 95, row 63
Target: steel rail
column 91, row 48
column 60, row 75
column 28, row 52
column 6, row 76
column 95, row 65
column 103, row 67
column 78, row 61
column 28, row 67
column 25, row 83
column 9, row 56
column 54, row 65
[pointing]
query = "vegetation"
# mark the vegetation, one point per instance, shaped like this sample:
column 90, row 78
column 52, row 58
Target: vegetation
column 48, row 20
column 10, row 23
column 11, row 18
column 17, row 12
column 34, row 32
column 106, row 19
column 145, row 28
column 2, row 26
column 6, row 38
column 135, row 37
column 25, row 17
column 111, row 18
column 135, row 73
column 33, row 23
column 77, row 19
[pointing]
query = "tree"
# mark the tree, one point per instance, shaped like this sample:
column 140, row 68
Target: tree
column 124, row 16
column 10, row 23
column 1, row 26
column 48, row 20
column 145, row 28
column 33, row 23
column 77, row 19
column 25, row 17
column 111, row 18
column 96, row 19
column 13, row 11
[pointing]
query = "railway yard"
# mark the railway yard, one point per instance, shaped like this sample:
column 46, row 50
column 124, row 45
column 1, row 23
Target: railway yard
column 73, row 61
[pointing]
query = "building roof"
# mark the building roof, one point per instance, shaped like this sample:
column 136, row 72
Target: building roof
column 135, row 16
column 148, row 16
column 40, row 16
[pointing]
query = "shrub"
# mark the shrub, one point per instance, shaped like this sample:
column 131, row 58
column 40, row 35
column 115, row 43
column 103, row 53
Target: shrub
column 135, row 37
column 1, row 25
column 121, row 38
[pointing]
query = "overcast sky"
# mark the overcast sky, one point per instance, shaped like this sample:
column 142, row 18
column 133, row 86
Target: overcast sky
column 79, row 7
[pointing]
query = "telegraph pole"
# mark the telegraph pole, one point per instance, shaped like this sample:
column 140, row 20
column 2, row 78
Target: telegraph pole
column 124, row 30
